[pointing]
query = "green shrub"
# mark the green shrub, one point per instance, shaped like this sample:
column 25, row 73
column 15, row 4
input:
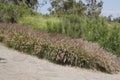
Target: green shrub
column 12, row 13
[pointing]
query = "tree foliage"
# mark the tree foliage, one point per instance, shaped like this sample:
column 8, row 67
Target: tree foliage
column 29, row 3
column 94, row 8
column 12, row 13
column 61, row 7
column 91, row 8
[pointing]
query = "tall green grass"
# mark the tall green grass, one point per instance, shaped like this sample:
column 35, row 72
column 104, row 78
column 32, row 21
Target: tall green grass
column 38, row 21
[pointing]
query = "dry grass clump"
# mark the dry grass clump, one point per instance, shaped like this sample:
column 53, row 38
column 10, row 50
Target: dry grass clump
column 58, row 49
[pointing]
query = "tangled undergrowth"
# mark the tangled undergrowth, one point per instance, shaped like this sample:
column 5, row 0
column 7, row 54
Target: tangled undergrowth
column 58, row 48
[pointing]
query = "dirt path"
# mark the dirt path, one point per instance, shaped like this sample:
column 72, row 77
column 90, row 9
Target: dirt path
column 18, row 66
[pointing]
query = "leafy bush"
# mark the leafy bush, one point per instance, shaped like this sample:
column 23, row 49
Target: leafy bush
column 12, row 13
column 59, row 49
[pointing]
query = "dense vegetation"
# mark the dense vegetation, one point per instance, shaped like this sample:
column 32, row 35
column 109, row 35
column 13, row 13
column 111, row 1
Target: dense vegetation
column 81, row 23
column 99, row 30
column 58, row 49
column 87, row 24
column 12, row 13
column 29, row 3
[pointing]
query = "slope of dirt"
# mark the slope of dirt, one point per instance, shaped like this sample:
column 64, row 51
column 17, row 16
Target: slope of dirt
column 18, row 66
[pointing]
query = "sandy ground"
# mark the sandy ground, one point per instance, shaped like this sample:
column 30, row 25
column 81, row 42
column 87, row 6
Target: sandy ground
column 18, row 66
